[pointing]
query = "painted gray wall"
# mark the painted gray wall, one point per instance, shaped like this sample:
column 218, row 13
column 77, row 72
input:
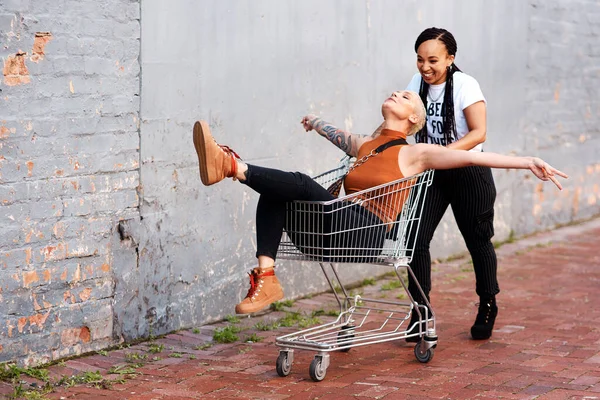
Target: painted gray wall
column 69, row 171
column 150, row 249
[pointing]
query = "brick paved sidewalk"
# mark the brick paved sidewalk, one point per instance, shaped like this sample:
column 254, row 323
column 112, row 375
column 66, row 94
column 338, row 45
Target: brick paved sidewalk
column 546, row 344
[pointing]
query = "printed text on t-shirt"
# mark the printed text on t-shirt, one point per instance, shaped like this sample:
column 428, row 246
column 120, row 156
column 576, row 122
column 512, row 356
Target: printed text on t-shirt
column 435, row 113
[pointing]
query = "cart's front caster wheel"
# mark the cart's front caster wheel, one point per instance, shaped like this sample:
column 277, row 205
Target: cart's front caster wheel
column 317, row 371
column 284, row 366
column 423, row 356
column 345, row 335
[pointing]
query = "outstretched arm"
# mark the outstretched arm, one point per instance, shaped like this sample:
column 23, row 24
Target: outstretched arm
column 346, row 141
column 418, row 158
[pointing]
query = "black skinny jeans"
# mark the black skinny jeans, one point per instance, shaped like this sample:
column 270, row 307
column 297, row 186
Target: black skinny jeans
column 277, row 188
column 471, row 193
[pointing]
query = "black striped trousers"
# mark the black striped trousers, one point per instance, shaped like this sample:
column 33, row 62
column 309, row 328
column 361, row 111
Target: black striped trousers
column 471, row 193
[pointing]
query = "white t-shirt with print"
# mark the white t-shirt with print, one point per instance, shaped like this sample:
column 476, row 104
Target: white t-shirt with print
column 466, row 92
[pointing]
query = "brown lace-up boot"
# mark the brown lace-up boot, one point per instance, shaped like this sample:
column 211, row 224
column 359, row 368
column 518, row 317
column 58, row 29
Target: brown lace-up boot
column 264, row 290
column 217, row 162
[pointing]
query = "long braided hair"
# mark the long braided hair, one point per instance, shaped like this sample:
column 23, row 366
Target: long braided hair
column 448, row 121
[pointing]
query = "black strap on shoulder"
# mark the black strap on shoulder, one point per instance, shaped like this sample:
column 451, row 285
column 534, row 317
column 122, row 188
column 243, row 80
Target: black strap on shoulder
column 395, row 142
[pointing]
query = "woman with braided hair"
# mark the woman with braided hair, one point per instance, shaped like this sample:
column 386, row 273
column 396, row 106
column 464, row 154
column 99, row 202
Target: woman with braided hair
column 456, row 119
column 404, row 114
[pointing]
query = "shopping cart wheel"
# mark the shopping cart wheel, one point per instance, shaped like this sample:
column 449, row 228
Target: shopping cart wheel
column 316, row 370
column 423, row 356
column 284, row 366
column 346, row 335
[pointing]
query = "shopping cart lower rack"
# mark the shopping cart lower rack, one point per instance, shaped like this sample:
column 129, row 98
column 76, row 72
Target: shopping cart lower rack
column 345, row 230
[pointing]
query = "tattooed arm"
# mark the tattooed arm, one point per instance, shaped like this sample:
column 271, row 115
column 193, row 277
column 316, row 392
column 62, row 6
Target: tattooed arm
column 377, row 131
column 346, row 141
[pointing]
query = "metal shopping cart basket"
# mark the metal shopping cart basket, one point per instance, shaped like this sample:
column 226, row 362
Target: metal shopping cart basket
column 340, row 231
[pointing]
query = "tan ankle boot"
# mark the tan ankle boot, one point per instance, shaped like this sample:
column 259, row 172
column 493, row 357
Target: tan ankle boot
column 217, row 162
column 264, row 290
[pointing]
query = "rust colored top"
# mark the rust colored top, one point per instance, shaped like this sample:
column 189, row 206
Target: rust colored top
column 383, row 168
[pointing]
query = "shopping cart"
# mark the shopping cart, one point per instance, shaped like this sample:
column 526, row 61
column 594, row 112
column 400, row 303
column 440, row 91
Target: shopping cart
column 339, row 231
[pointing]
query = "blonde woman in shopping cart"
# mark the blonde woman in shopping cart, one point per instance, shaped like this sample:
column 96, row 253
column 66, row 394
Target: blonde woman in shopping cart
column 404, row 114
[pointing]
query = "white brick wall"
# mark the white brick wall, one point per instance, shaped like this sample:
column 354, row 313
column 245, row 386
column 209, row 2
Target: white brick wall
column 561, row 117
column 69, row 171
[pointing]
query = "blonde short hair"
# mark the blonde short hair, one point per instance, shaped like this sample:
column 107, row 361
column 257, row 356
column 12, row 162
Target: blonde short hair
column 419, row 109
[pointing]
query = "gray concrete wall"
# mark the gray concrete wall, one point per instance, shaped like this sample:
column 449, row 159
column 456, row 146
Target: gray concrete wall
column 107, row 233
